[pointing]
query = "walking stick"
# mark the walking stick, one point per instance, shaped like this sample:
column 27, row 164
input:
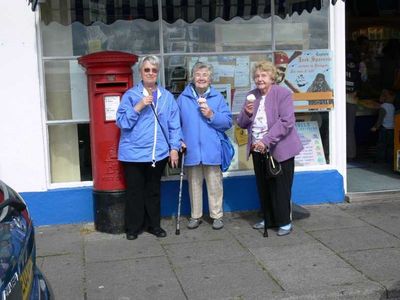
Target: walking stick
column 265, row 208
column 178, row 216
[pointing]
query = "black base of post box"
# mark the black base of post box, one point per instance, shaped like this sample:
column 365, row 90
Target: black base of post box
column 109, row 211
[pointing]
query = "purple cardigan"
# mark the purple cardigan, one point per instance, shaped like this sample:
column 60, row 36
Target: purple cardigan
column 282, row 138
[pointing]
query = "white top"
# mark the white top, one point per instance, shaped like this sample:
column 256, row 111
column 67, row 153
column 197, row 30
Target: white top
column 388, row 120
column 260, row 125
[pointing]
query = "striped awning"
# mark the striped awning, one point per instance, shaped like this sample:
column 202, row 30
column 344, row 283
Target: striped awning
column 109, row 11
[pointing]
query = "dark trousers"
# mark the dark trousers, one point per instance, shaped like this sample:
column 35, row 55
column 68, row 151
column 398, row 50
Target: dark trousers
column 143, row 184
column 274, row 193
column 384, row 148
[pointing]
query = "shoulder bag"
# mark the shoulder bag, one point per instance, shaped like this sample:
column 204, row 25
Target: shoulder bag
column 272, row 166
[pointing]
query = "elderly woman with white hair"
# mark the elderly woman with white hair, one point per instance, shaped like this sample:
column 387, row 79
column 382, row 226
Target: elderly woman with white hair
column 203, row 112
column 148, row 117
column 268, row 116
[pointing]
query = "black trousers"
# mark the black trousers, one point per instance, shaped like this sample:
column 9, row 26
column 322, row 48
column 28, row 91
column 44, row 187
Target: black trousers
column 274, row 193
column 143, row 182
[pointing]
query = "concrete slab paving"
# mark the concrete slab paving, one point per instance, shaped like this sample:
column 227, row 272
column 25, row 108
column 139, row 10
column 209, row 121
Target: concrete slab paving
column 103, row 248
column 225, row 280
column 356, row 238
column 342, row 251
column 215, row 251
column 380, row 265
column 328, row 217
column 319, row 267
column 48, row 241
column 140, row 278
column 66, row 274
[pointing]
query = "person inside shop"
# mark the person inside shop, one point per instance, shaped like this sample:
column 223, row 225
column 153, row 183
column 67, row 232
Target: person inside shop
column 268, row 116
column 148, row 117
column 385, row 127
column 203, row 112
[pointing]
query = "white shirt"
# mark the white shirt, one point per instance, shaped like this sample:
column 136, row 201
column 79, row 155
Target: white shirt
column 260, row 125
column 388, row 120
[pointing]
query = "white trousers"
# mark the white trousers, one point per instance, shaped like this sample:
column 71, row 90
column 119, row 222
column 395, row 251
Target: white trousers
column 213, row 177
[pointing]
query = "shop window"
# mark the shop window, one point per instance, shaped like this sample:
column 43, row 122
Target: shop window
column 308, row 30
column 230, row 37
column 69, row 152
column 218, row 36
column 66, row 91
column 137, row 36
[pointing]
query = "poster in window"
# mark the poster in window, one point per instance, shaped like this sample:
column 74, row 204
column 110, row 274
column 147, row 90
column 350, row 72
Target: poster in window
column 308, row 74
column 313, row 152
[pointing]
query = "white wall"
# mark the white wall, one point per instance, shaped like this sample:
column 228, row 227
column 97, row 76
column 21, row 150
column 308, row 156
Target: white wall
column 338, row 126
column 22, row 145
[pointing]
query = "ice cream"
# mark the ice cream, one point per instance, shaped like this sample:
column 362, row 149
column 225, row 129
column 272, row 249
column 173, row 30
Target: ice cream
column 202, row 102
column 250, row 98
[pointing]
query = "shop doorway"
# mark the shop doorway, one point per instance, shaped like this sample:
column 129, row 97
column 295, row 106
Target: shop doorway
column 371, row 26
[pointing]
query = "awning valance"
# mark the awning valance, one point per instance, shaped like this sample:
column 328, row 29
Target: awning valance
column 109, row 11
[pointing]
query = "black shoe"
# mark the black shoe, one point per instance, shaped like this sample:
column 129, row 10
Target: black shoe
column 131, row 236
column 158, row 232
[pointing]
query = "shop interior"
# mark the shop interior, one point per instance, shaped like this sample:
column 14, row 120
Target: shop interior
column 373, row 28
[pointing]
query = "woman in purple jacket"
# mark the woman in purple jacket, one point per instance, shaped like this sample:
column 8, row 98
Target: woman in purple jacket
column 268, row 116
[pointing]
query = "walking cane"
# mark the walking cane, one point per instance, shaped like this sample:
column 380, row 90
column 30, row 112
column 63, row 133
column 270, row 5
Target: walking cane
column 178, row 216
column 265, row 208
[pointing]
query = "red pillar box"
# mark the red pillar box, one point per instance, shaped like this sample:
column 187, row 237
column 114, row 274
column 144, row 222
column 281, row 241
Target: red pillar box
column 109, row 76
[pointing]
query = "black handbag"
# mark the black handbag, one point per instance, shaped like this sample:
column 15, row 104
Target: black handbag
column 272, row 166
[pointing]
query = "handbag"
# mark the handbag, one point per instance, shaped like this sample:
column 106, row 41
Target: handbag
column 272, row 166
column 227, row 151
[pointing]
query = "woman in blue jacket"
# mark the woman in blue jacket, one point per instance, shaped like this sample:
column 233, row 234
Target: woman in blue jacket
column 145, row 146
column 203, row 112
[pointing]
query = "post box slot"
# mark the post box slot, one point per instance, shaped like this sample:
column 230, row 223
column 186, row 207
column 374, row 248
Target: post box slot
column 111, row 86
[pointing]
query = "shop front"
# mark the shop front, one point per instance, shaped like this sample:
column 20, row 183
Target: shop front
column 303, row 38
column 373, row 31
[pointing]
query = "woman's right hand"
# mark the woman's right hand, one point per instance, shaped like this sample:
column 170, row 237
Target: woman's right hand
column 147, row 100
column 249, row 108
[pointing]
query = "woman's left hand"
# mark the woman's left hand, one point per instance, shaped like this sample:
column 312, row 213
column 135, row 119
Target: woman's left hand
column 260, row 147
column 207, row 112
column 174, row 158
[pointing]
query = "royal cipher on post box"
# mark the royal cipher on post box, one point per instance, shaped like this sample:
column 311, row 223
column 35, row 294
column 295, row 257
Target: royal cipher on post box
column 109, row 75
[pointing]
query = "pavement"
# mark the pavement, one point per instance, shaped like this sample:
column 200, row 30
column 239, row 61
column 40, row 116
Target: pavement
column 342, row 251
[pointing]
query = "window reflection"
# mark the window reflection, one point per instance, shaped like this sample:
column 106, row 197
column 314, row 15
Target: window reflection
column 218, row 35
column 137, row 36
column 309, row 30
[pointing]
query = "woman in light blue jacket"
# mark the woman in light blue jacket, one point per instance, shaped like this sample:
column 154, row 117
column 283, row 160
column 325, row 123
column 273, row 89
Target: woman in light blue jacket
column 145, row 146
column 203, row 112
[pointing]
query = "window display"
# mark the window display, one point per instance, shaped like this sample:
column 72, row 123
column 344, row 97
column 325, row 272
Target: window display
column 232, row 42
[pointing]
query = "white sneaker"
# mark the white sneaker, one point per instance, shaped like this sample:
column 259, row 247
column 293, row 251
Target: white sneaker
column 217, row 224
column 259, row 225
column 193, row 223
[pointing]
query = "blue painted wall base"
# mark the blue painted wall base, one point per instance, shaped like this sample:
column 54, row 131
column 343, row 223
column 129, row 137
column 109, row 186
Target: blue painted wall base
column 75, row 205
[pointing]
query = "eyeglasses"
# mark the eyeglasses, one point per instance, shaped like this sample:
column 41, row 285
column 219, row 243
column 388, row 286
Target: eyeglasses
column 153, row 70
column 201, row 75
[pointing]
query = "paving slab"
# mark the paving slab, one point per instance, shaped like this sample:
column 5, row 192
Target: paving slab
column 225, row 280
column 107, row 247
column 309, row 266
column 356, row 238
column 66, row 274
column 57, row 240
column 215, row 251
column 139, row 278
column 380, row 265
column 328, row 217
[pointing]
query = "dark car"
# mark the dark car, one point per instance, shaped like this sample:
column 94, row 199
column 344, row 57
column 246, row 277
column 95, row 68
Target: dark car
column 20, row 278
